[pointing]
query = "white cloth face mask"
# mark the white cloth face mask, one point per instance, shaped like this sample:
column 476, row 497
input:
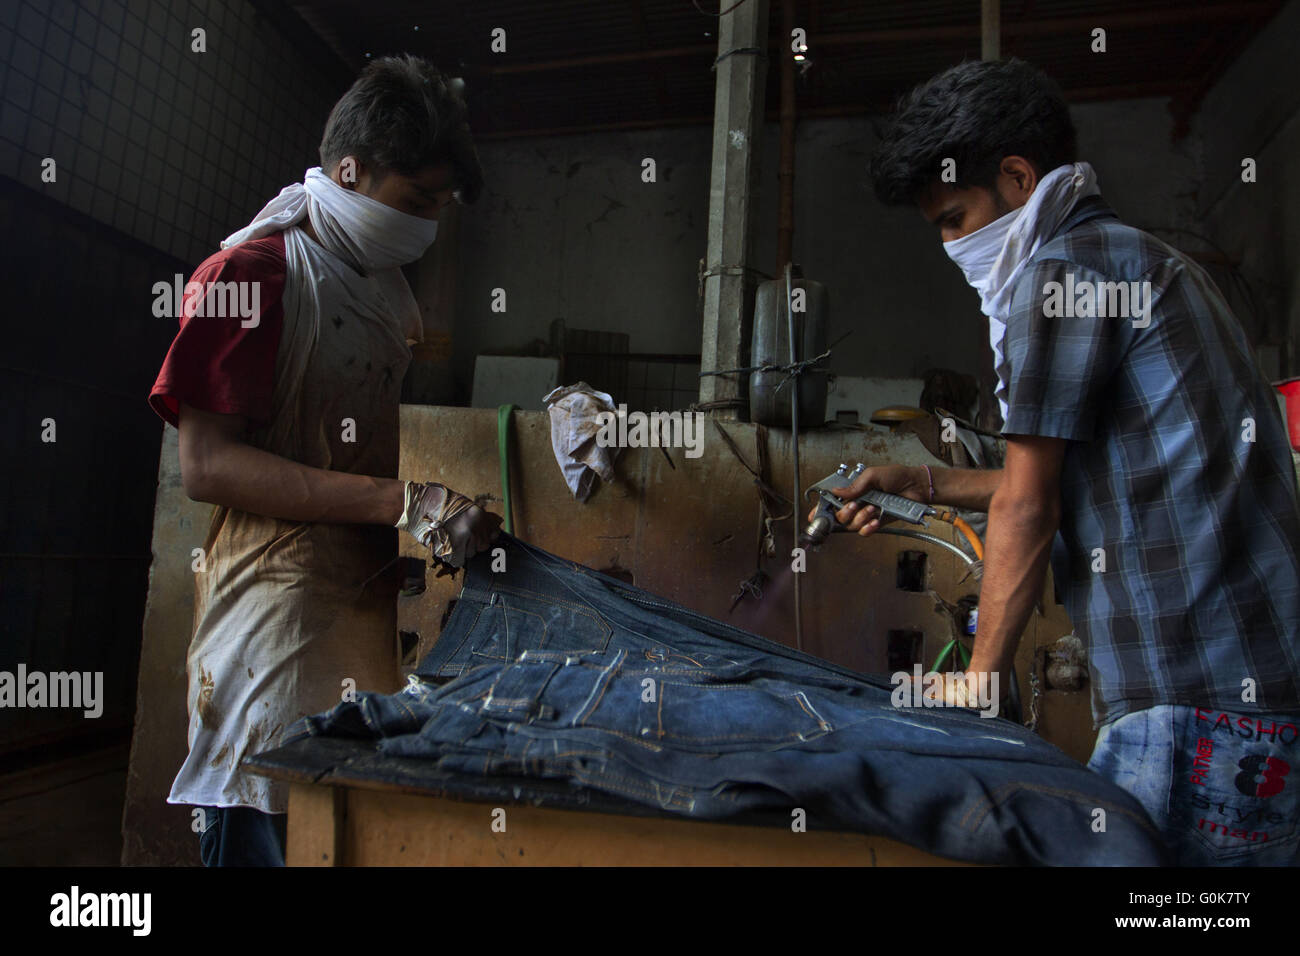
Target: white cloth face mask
column 369, row 234
column 993, row 257
column 372, row 233
column 976, row 252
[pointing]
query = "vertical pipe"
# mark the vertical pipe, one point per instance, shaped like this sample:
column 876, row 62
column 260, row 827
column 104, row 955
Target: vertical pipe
column 785, row 170
column 990, row 30
column 737, row 151
column 794, row 450
column 784, row 258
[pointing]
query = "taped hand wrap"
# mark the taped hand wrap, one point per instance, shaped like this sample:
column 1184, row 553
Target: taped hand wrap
column 430, row 514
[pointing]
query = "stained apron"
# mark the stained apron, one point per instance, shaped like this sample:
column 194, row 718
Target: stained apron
column 288, row 615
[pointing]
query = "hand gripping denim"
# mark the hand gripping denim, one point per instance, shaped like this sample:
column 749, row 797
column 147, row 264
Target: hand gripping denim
column 552, row 670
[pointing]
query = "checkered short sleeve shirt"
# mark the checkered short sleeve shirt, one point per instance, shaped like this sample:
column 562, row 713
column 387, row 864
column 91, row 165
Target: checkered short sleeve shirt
column 1178, row 555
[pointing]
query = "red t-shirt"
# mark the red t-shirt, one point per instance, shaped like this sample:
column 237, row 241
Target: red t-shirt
column 214, row 363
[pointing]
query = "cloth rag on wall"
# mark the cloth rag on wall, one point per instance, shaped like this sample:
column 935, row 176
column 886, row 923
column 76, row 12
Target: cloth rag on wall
column 552, row 670
column 575, row 427
column 287, row 611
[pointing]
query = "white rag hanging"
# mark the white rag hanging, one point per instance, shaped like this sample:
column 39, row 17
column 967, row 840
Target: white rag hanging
column 574, row 429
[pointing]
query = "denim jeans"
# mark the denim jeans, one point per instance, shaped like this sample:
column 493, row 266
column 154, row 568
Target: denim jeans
column 242, row 836
column 552, row 670
column 1224, row 788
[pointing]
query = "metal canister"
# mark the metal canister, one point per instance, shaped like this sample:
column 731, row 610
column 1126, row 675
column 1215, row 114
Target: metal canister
column 769, row 392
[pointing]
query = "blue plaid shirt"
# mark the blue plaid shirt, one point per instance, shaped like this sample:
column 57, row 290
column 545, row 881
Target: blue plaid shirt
column 1178, row 555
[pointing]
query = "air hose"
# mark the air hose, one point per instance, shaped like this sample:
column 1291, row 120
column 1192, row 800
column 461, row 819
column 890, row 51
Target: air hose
column 965, row 529
column 503, row 449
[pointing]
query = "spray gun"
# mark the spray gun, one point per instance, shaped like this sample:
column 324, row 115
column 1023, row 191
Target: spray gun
column 890, row 506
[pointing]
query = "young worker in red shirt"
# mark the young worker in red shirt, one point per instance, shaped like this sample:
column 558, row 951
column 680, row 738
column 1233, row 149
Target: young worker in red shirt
column 288, row 421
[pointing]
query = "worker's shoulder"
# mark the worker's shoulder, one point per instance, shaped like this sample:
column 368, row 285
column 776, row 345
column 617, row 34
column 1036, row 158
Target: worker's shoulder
column 257, row 259
column 1108, row 247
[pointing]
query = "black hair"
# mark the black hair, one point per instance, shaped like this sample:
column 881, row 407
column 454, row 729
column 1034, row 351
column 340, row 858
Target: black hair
column 975, row 113
column 403, row 115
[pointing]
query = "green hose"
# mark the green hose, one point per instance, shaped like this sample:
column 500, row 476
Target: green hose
column 503, row 449
column 958, row 651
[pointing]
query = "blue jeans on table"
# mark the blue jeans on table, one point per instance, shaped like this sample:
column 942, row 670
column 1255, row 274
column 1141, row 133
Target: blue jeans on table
column 242, row 836
column 1224, row 788
column 550, row 669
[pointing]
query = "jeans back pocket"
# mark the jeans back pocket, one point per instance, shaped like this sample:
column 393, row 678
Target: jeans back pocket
column 722, row 717
column 515, row 620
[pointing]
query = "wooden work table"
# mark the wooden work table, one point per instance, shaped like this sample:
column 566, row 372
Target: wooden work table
column 351, row 806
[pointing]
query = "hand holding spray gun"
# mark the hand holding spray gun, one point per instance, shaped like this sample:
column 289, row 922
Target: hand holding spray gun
column 858, row 501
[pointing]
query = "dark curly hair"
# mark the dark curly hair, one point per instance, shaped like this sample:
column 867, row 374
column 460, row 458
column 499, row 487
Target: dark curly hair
column 403, row 115
column 975, row 113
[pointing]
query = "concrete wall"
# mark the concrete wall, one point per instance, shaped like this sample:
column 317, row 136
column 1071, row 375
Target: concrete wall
column 568, row 228
column 687, row 531
column 155, row 833
column 1254, row 111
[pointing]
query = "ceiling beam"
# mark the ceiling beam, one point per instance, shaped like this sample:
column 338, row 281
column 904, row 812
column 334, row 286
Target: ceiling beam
column 1081, row 94
column 1054, row 26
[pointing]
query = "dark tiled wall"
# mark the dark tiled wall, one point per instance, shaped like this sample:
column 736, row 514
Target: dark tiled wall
column 173, row 147
column 75, row 513
column 160, row 153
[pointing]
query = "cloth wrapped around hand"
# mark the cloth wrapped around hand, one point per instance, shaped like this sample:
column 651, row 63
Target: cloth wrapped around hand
column 439, row 519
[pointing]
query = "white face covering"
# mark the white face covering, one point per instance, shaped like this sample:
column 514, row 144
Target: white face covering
column 370, row 233
column 355, row 233
column 993, row 257
column 362, row 231
column 976, row 253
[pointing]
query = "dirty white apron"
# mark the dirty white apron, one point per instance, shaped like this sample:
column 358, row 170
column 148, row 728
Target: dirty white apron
column 287, row 612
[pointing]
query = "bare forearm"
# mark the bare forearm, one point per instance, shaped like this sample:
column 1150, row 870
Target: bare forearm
column 970, row 488
column 1017, row 547
column 250, row 479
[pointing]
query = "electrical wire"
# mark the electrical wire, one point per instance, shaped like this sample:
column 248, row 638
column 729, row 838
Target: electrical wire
column 795, row 390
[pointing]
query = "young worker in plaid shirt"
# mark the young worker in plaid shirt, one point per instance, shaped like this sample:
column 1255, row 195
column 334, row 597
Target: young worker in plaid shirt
column 1146, row 456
